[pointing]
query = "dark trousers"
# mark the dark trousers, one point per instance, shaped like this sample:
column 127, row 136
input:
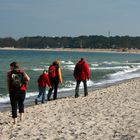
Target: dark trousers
column 54, row 84
column 17, row 102
column 77, row 88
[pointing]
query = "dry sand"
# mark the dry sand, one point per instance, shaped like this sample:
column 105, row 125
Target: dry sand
column 76, row 50
column 111, row 113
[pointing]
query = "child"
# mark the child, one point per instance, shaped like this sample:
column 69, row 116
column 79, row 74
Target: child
column 43, row 81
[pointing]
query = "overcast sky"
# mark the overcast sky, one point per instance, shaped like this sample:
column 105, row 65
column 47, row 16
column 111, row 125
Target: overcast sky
column 19, row 18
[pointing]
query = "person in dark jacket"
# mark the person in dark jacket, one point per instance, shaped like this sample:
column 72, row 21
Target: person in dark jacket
column 17, row 84
column 43, row 81
column 55, row 78
column 81, row 73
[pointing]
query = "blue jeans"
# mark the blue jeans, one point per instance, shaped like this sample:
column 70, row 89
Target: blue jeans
column 41, row 95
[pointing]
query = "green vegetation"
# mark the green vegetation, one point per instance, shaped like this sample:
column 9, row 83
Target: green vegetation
column 97, row 42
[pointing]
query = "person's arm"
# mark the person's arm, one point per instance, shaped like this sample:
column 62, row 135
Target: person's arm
column 48, row 81
column 60, row 75
column 8, row 81
column 87, row 71
column 26, row 77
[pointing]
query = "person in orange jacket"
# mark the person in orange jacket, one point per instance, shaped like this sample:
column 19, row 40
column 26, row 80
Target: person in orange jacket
column 55, row 77
column 43, row 82
column 81, row 73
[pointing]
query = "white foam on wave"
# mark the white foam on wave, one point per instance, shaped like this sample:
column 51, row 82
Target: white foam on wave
column 4, row 99
column 69, row 67
column 125, row 71
column 72, row 85
column 110, row 62
column 110, row 68
column 31, row 94
column 94, row 65
column 67, row 62
column 38, row 69
column 125, row 74
column 120, row 63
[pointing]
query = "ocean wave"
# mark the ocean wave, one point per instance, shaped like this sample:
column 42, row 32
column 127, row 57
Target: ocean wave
column 38, row 69
column 108, row 68
column 95, row 65
column 110, row 62
column 67, row 62
column 125, row 71
column 69, row 67
column 4, row 99
column 119, row 63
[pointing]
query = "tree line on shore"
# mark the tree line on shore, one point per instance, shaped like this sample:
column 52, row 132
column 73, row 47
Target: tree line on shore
column 93, row 42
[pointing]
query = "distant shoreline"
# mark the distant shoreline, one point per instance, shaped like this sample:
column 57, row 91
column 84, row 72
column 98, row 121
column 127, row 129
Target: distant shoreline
column 75, row 50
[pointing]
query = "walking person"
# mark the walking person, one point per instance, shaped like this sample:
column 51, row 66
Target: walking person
column 17, row 84
column 81, row 73
column 55, row 78
column 43, row 82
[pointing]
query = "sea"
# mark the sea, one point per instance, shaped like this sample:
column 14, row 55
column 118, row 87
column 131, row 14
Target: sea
column 106, row 68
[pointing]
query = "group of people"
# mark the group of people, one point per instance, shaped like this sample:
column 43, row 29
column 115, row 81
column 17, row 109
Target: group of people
column 50, row 78
column 18, row 80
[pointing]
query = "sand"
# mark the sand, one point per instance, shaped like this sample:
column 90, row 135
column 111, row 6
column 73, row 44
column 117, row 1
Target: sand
column 111, row 113
column 76, row 50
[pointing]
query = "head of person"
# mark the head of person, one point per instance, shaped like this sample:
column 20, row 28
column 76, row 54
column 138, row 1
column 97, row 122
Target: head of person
column 82, row 59
column 56, row 62
column 45, row 71
column 14, row 66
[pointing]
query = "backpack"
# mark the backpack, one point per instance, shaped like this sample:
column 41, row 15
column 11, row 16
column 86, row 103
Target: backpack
column 78, row 69
column 52, row 71
column 17, row 79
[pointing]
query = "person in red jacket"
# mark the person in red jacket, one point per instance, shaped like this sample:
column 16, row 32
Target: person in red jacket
column 17, row 84
column 43, row 81
column 81, row 73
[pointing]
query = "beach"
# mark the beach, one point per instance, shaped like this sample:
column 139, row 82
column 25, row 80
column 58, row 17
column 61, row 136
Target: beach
column 75, row 49
column 111, row 113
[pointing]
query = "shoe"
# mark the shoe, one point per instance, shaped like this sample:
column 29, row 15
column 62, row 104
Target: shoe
column 86, row 94
column 76, row 96
column 36, row 101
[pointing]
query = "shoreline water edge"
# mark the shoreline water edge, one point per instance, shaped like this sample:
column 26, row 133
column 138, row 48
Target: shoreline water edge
column 109, row 113
column 109, row 70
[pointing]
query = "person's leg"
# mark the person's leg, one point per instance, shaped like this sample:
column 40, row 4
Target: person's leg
column 40, row 92
column 14, row 102
column 77, row 88
column 21, row 103
column 55, row 90
column 85, row 88
column 49, row 93
column 15, row 121
column 39, row 95
column 51, row 89
column 43, row 94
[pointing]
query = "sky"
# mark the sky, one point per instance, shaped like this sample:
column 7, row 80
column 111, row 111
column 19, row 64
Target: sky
column 72, row 18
